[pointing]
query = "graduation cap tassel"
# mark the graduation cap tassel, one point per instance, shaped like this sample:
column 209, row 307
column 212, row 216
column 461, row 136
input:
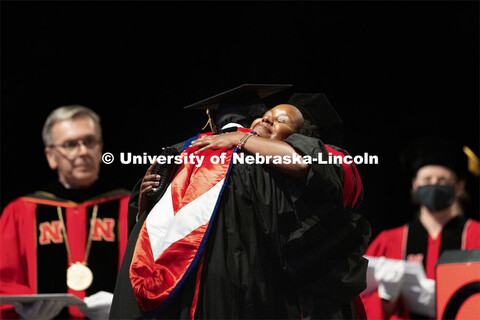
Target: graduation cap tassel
column 473, row 162
column 209, row 122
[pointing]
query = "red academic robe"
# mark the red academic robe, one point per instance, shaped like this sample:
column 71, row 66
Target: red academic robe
column 411, row 242
column 33, row 256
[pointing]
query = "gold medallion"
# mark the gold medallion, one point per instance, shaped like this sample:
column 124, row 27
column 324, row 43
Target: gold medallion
column 79, row 277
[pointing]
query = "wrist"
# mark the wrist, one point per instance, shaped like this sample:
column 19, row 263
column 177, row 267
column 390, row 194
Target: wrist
column 243, row 140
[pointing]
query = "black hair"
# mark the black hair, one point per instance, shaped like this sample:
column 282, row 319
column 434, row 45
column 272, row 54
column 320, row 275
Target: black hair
column 309, row 129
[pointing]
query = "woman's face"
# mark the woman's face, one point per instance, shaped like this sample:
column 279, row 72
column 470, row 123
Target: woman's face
column 278, row 123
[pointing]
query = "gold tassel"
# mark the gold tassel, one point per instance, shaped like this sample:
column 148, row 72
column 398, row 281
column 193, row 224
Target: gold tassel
column 473, row 162
column 209, row 122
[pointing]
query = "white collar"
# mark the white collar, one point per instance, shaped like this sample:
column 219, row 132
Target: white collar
column 231, row 125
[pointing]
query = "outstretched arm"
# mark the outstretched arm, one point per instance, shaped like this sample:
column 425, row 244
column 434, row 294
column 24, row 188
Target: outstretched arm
column 256, row 144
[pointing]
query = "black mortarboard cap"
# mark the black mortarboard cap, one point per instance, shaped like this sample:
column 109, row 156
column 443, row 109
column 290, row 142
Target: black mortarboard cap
column 245, row 90
column 316, row 108
column 241, row 104
column 434, row 151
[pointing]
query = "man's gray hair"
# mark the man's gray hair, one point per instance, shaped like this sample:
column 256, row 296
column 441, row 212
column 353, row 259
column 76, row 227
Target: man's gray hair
column 68, row 113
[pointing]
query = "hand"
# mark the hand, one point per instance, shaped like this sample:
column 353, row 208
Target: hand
column 225, row 140
column 40, row 309
column 149, row 181
column 389, row 274
column 97, row 306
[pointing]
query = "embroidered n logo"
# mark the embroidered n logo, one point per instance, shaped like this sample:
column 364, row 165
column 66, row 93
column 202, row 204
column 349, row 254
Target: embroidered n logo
column 50, row 232
column 103, row 229
column 416, row 258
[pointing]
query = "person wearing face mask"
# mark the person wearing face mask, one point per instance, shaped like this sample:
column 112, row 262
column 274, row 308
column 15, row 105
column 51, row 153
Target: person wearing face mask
column 68, row 237
column 280, row 245
column 440, row 169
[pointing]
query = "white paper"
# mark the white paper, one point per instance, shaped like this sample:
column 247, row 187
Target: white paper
column 418, row 292
column 67, row 298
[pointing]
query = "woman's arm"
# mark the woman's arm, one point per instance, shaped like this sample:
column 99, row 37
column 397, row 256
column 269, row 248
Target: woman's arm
column 262, row 146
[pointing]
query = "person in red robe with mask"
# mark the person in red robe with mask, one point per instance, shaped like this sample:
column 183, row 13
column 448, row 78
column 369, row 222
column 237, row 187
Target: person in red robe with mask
column 440, row 170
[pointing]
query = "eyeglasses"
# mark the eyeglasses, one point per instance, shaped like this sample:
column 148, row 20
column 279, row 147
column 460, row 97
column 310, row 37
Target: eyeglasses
column 71, row 146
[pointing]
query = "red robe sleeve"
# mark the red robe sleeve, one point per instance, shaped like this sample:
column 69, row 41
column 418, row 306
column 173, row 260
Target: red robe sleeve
column 17, row 260
column 472, row 235
column 391, row 244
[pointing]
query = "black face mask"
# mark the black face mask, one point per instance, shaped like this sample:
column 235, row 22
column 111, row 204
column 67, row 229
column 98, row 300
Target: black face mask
column 435, row 197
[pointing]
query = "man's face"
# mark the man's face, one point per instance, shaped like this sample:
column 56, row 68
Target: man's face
column 75, row 152
column 279, row 122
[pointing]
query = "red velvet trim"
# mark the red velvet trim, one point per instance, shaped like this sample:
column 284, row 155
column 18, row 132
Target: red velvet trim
column 348, row 180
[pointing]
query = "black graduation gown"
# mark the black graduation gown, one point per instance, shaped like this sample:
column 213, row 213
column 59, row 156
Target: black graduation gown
column 278, row 249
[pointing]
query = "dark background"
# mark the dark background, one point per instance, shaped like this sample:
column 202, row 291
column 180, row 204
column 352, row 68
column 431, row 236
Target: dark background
column 394, row 71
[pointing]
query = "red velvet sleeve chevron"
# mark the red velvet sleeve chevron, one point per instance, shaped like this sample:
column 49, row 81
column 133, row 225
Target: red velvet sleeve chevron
column 171, row 239
column 352, row 184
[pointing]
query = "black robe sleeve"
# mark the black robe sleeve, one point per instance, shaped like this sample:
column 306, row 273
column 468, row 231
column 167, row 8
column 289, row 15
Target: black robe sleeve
column 124, row 303
column 324, row 250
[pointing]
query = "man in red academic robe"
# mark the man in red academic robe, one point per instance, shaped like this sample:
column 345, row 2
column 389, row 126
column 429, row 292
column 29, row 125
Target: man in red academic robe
column 70, row 236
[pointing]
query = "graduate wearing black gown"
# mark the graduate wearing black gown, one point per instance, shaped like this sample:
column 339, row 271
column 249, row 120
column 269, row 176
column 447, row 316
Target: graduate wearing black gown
column 279, row 248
